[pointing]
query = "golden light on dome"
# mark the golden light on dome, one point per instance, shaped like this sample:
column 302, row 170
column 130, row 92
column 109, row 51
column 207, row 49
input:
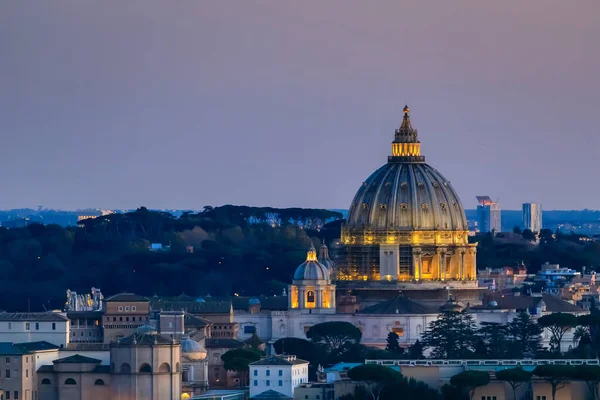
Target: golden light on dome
column 312, row 254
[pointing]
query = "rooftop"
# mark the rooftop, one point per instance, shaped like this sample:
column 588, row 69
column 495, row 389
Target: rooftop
column 143, row 339
column 9, row 349
column 553, row 303
column 34, row 317
column 271, row 394
column 279, row 360
column 37, row 346
column 126, row 297
column 77, row 359
column 224, row 343
column 399, row 305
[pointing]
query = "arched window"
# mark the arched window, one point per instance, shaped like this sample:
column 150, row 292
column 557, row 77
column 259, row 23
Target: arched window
column 70, row 381
column 310, row 296
column 46, row 381
column 177, row 367
column 99, row 382
column 145, row 368
column 164, row 367
column 125, row 368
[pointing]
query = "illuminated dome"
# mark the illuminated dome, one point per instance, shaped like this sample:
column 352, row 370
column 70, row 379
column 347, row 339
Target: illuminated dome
column 311, row 269
column 406, row 222
column 253, row 301
column 192, row 349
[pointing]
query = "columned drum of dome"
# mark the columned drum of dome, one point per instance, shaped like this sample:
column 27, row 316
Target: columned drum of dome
column 406, row 222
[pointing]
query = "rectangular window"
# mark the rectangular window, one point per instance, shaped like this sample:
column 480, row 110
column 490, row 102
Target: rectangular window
column 249, row 329
column 133, row 318
column 255, row 383
column 280, row 372
column 8, row 395
column 255, row 372
column 9, row 325
column 268, row 372
column 132, row 308
column 26, row 326
column 126, row 308
column 54, row 326
column 280, row 383
column 8, row 373
column 127, row 319
column 268, row 382
column 26, row 373
column 16, row 395
column 7, row 360
column 37, row 326
column 26, row 360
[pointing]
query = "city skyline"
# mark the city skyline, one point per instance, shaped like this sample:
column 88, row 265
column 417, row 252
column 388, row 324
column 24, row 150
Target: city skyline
column 293, row 104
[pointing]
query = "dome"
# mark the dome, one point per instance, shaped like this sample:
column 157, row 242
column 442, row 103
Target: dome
column 311, row 269
column 200, row 300
column 192, row 349
column 493, row 303
column 324, row 257
column 407, row 196
column 148, row 329
column 254, row 301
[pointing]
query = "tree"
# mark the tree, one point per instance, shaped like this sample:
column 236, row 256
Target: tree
column 238, row 360
column 468, row 381
column 515, row 377
column 556, row 375
column 517, row 230
column 528, row 235
column 452, row 335
column 392, row 343
column 375, row 376
column 301, row 348
column 334, row 336
column 592, row 323
column 590, row 374
column 558, row 324
column 581, row 335
column 525, row 336
column 415, row 352
column 493, row 336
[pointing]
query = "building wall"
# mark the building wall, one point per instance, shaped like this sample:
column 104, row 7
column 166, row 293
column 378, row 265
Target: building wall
column 21, row 380
column 85, row 387
column 171, row 324
column 152, row 386
column 291, row 377
column 121, row 319
column 55, row 332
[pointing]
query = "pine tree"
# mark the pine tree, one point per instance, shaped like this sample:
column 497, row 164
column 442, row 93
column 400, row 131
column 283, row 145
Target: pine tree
column 525, row 336
column 451, row 336
column 393, row 345
column 415, row 352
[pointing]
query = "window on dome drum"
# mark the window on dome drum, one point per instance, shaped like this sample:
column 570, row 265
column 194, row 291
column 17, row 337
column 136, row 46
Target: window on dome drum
column 164, row 367
column 70, row 381
column 310, row 298
column 46, row 381
column 99, row 382
column 145, row 368
column 125, row 368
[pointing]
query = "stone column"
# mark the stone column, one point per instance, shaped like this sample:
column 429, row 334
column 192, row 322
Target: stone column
column 417, row 264
column 439, row 263
column 319, row 298
column 461, row 264
column 301, row 297
column 332, row 296
column 473, row 266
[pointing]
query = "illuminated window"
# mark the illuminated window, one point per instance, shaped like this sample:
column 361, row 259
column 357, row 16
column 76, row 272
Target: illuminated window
column 310, row 296
column 398, row 331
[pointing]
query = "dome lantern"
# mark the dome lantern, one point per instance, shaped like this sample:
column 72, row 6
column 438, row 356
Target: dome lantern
column 406, row 145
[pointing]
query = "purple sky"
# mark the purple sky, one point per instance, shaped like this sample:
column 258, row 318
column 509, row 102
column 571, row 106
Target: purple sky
column 179, row 104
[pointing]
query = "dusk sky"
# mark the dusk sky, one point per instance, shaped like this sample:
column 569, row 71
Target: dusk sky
column 181, row 104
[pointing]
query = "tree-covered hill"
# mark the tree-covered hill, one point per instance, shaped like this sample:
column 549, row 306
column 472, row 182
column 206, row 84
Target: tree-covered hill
column 220, row 251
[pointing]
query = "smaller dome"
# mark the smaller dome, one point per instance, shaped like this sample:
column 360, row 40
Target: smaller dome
column 200, row 300
column 311, row 269
column 147, row 329
column 254, row 301
column 493, row 303
column 193, row 350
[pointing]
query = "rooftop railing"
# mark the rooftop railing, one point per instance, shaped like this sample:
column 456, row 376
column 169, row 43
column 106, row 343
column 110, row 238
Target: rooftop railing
column 471, row 363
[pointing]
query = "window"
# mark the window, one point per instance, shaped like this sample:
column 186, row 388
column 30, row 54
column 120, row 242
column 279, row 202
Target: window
column 8, row 360
column 268, row 372
column 120, row 318
column 127, row 319
column 540, row 397
column 114, row 319
column 164, row 367
column 170, row 324
column 99, row 382
column 45, row 381
column 255, row 383
column 126, row 308
column 70, row 381
column 89, row 333
column 249, row 329
column 26, row 360
column 9, row 325
column 54, row 326
column 125, row 368
column 120, row 308
column 268, row 382
column 37, row 326
column 133, row 318
column 145, row 368
column 26, row 373
column 8, row 373
column 16, row 395
column 132, row 308
column 255, row 372
column 310, row 296
column 280, row 372
column 280, row 383
column 27, row 327
column 8, row 395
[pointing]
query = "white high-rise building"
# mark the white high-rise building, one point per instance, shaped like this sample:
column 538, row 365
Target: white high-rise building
column 532, row 216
